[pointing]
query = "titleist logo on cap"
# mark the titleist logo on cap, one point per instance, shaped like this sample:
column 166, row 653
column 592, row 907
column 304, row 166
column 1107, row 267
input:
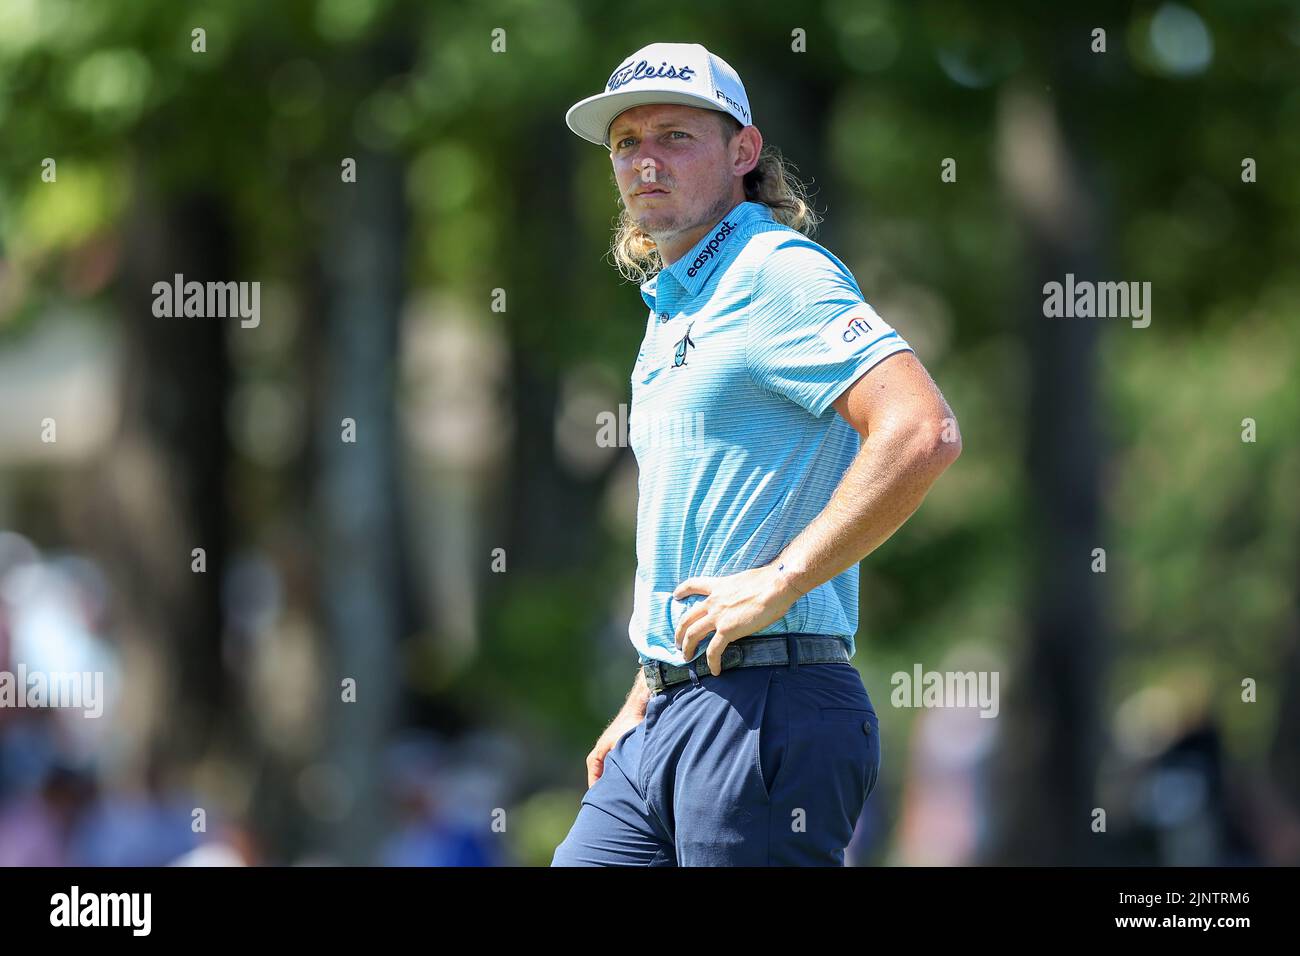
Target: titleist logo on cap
column 644, row 71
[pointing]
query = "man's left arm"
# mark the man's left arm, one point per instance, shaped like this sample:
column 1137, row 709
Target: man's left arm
column 909, row 437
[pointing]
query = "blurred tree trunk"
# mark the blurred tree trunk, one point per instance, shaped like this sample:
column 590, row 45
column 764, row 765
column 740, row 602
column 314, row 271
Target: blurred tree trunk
column 163, row 490
column 1284, row 755
column 357, row 498
column 552, row 523
column 1052, row 744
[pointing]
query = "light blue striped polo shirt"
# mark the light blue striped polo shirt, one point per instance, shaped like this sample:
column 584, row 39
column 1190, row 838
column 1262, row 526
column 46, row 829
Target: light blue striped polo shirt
column 751, row 336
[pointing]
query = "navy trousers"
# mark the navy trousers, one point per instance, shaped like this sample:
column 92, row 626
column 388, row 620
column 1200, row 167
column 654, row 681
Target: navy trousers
column 759, row 766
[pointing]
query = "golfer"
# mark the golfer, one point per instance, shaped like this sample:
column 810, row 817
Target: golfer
column 783, row 430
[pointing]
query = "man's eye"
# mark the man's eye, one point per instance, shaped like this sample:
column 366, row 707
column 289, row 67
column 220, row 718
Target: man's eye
column 678, row 132
column 624, row 142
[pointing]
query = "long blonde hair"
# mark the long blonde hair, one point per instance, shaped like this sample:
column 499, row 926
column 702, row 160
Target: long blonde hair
column 773, row 182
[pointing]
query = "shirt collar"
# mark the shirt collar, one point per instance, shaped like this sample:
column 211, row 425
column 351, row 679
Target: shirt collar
column 691, row 271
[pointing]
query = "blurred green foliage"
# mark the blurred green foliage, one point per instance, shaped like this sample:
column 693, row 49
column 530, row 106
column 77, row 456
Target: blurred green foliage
column 1200, row 527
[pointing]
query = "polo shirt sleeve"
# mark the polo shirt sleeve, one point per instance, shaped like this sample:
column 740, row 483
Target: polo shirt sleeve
column 810, row 333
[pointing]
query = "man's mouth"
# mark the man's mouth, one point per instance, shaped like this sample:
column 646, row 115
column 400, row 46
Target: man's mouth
column 652, row 192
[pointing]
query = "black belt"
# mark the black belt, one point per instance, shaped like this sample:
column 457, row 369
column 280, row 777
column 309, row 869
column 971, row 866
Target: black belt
column 765, row 651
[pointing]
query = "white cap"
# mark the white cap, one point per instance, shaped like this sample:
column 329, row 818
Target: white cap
column 684, row 73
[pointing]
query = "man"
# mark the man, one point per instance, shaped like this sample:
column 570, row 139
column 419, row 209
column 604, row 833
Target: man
column 756, row 502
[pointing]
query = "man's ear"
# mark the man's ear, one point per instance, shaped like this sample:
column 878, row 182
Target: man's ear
column 748, row 146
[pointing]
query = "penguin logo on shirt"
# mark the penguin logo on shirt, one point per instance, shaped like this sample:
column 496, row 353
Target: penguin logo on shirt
column 685, row 342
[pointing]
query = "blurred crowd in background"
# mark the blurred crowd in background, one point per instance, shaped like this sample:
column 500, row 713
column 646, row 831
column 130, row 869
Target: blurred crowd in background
column 67, row 797
column 398, row 649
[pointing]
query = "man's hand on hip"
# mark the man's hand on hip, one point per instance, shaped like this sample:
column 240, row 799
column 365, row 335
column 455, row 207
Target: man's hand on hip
column 734, row 606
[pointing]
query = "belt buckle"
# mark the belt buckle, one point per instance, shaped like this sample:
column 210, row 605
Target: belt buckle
column 656, row 671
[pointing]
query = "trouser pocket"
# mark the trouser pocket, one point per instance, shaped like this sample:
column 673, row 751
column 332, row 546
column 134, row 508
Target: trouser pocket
column 772, row 735
column 857, row 737
column 830, row 763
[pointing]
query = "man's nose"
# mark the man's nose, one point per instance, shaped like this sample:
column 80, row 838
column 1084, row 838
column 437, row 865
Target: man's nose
column 648, row 165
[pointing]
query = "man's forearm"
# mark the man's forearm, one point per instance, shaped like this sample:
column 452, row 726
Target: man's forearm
column 638, row 697
column 881, row 489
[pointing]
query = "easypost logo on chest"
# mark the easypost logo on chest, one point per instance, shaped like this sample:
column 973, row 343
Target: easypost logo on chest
column 849, row 332
column 641, row 70
column 709, row 251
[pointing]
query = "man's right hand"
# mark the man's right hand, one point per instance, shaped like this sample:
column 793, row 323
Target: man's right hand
column 625, row 721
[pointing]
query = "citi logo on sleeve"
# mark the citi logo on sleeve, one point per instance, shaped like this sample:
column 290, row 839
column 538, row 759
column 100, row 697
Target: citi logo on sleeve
column 849, row 332
column 644, row 71
column 711, row 249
